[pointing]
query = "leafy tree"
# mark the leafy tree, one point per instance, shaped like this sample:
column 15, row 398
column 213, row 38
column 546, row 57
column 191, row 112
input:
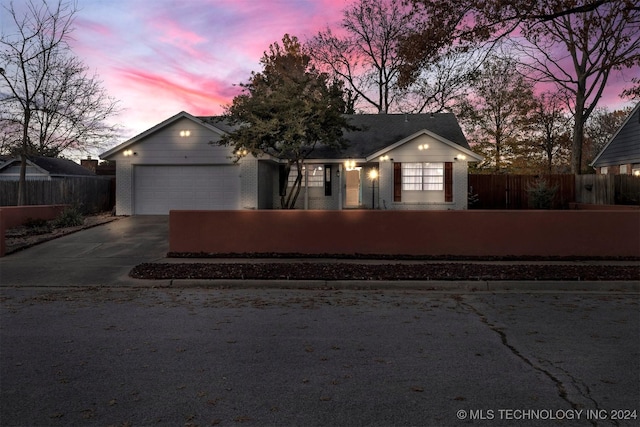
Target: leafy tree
column 49, row 103
column 497, row 113
column 286, row 111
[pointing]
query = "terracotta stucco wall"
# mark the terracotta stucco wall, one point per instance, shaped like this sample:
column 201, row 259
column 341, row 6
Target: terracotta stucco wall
column 13, row 216
column 428, row 233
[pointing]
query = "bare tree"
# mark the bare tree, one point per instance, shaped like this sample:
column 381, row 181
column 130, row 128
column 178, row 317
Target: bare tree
column 441, row 85
column 366, row 58
column 550, row 121
column 572, row 44
column 44, row 90
column 577, row 53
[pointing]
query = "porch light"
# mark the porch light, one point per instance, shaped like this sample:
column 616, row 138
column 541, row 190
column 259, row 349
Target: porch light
column 128, row 153
column 185, row 133
column 460, row 157
column 242, row 152
column 373, row 175
column 350, row 165
column 384, row 158
column 636, row 172
column 423, row 147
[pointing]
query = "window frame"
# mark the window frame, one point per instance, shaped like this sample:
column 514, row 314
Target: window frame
column 425, row 179
column 315, row 179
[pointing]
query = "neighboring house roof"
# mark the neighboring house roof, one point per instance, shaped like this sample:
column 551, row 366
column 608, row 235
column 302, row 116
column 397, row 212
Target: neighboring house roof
column 624, row 145
column 54, row 167
column 376, row 133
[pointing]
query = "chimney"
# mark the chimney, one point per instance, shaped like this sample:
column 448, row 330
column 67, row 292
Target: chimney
column 89, row 163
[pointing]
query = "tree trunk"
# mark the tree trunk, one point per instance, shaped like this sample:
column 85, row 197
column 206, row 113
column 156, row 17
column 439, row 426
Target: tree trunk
column 576, row 141
column 295, row 191
column 22, row 182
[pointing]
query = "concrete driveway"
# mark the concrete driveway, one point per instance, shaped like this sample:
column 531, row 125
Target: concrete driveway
column 102, row 255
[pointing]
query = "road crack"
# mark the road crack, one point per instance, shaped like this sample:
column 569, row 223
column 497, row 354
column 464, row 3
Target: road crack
column 560, row 386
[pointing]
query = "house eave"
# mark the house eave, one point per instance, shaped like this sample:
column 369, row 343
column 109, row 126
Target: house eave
column 594, row 163
column 183, row 114
column 437, row 137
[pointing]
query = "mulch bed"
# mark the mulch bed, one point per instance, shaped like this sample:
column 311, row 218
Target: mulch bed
column 23, row 237
column 355, row 271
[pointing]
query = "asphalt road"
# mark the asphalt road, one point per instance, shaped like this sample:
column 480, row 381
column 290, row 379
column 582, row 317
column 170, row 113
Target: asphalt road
column 141, row 356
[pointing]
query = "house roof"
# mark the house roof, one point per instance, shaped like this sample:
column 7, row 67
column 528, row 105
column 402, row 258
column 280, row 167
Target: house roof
column 54, row 166
column 375, row 133
column 624, row 145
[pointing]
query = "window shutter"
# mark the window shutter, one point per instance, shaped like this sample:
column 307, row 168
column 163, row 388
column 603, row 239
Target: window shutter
column 448, row 182
column 397, row 182
column 327, row 180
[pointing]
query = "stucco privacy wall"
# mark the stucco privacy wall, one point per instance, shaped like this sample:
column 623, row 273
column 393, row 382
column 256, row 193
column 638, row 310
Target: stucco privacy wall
column 13, row 216
column 427, row 233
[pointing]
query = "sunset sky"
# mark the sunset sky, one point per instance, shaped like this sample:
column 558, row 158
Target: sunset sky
column 160, row 57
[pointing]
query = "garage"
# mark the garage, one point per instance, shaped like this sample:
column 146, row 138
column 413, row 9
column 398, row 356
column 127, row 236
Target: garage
column 159, row 189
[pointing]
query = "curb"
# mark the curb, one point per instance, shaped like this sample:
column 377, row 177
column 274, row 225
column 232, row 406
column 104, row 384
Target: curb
column 422, row 285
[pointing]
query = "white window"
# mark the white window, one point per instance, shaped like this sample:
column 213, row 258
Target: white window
column 604, row 170
column 623, row 169
column 316, row 175
column 423, row 176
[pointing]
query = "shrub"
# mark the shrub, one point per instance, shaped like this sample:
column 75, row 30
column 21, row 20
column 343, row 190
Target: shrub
column 541, row 195
column 35, row 223
column 70, row 217
column 37, row 226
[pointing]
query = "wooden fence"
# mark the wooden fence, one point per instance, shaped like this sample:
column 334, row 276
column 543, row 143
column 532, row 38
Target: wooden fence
column 90, row 194
column 608, row 189
column 511, row 191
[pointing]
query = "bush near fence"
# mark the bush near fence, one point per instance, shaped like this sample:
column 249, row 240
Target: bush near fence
column 89, row 194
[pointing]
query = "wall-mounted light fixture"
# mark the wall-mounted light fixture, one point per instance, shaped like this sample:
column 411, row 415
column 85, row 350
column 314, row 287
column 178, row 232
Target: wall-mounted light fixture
column 242, row 152
column 128, row 153
column 350, row 165
column 460, row 157
column 423, row 147
column 185, row 133
column 384, row 158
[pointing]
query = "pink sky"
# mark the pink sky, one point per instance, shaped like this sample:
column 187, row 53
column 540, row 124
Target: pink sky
column 160, row 57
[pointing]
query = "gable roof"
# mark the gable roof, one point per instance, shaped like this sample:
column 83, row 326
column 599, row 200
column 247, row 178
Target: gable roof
column 158, row 127
column 52, row 165
column 624, row 145
column 380, row 131
column 376, row 132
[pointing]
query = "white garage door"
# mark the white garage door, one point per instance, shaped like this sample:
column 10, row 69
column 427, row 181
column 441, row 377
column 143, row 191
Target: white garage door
column 158, row 189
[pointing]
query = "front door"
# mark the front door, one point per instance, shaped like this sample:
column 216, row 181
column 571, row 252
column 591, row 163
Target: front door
column 353, row 188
